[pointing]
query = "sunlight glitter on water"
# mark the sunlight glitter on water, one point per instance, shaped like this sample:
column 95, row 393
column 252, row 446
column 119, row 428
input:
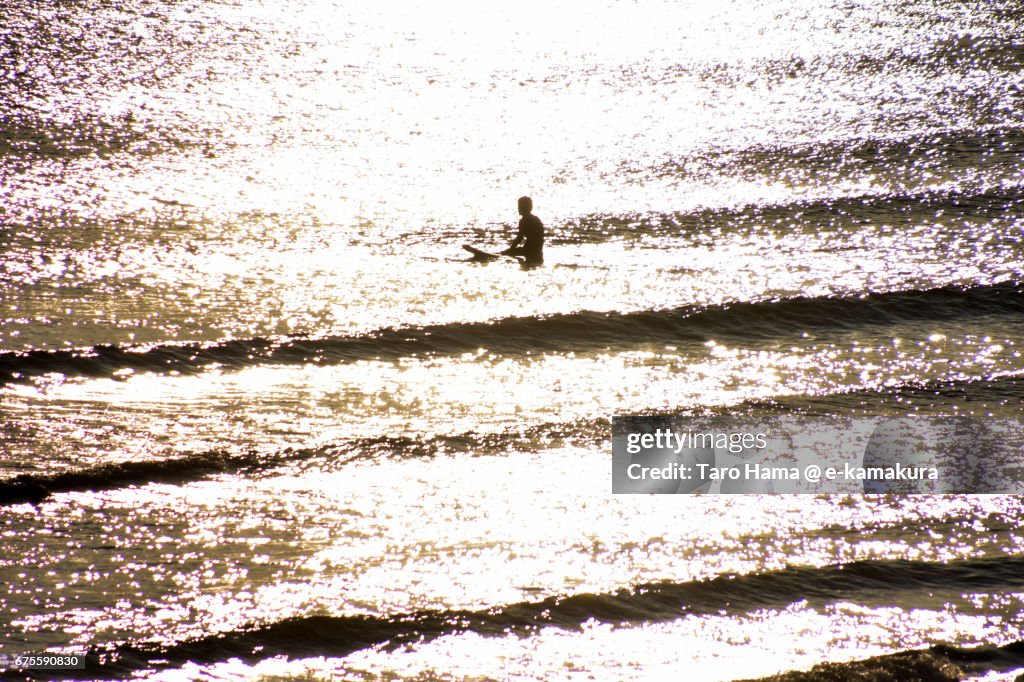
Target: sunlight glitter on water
column 266, row 284
column 343, row 118
column 197, row 172
column 148, row 415
column 397, row 536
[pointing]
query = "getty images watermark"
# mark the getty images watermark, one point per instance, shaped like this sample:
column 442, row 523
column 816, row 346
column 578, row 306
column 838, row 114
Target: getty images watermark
column 658, row 454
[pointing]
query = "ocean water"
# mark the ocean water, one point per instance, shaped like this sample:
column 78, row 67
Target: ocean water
column 260, row 418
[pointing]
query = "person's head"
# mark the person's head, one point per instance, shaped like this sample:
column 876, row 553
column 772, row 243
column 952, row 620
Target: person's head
column 525, row 205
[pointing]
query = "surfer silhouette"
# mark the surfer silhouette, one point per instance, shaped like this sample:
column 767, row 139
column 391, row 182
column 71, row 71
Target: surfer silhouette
column 530, row 236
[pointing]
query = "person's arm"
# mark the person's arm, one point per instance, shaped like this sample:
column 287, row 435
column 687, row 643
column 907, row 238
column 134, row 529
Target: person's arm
column 520, row 236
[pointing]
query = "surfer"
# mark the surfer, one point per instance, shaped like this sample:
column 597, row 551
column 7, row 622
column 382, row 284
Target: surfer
column 530, row 235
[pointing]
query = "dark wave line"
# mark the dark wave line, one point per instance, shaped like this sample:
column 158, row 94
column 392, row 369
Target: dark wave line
column 657, row 602
column 991, row 53
column 908, row 398
column 941, row 663
column 1003, row 50
column 999, row 208
column 580, row 332
column 996, row 150
column 37, row 488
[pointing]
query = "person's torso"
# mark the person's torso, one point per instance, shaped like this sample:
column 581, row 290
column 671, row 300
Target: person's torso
column 533, row 229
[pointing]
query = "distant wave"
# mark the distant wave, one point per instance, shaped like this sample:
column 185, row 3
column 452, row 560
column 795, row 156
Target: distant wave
column 991, row 53
column 656, row 602
column 939, row 663
column 36, row 488
column 580, row 332
column 959, row 53
column 998, row 206
column 991, row 391
column 991, row 159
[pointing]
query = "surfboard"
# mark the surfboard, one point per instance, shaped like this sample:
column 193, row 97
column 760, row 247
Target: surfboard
column 480, row 255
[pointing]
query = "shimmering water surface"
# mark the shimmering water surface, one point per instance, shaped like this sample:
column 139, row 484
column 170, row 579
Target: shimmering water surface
column 262, row 419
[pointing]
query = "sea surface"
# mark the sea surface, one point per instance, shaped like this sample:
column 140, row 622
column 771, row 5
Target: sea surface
column 260, row 418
